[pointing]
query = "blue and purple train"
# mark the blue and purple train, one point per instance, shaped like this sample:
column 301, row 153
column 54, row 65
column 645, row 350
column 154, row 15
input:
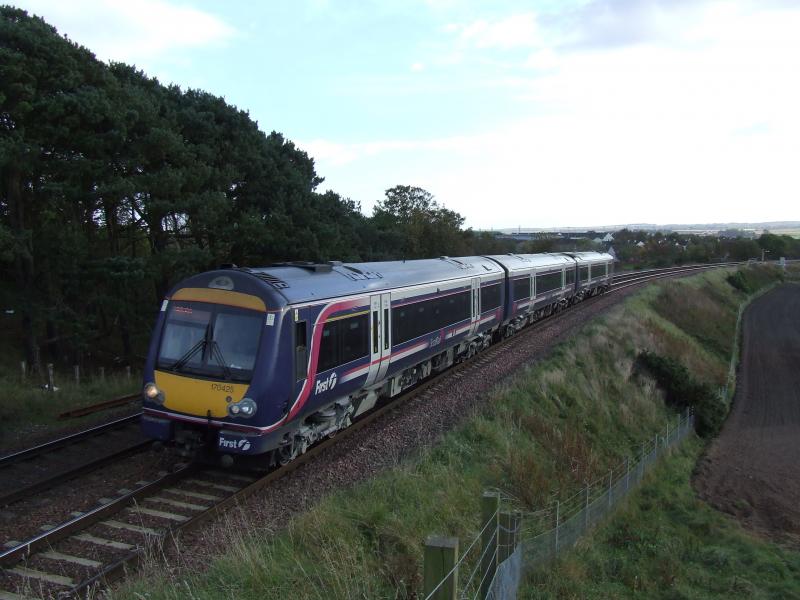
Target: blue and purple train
column 264, row 362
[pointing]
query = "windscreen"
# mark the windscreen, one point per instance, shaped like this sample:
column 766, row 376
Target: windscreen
column 210, row 340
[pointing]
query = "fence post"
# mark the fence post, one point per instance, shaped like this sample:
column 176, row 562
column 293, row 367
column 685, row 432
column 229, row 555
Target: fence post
column 655, row 447
column 503, row 536
column 490, row 508
column 586, row 509
column 641, row 463
column 51, row 377
column 610, row 479
column 77, row 371
column 102, row 373
column 555, row 546
column 22, row 367
column 441, row 556
column 128, row 372
column 668, row 444
column 627, row 473
column 517, row 523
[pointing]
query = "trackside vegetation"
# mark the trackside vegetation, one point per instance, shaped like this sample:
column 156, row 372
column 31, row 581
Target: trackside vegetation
column 562, row 421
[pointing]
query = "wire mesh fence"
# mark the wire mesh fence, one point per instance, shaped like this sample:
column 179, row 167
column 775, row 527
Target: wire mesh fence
column 510, row 542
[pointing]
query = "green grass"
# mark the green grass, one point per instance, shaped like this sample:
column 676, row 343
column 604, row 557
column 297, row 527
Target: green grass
column 562, row 421
column 25, row 408
column 665, row 543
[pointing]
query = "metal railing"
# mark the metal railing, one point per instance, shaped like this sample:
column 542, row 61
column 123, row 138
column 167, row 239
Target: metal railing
column 510, row 542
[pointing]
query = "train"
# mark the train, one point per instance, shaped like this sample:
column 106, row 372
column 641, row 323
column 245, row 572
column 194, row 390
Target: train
column 254, row 365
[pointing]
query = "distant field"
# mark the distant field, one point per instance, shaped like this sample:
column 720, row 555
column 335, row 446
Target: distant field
column 795, row 233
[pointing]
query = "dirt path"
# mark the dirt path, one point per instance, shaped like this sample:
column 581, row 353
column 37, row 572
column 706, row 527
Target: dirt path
column 752, row 471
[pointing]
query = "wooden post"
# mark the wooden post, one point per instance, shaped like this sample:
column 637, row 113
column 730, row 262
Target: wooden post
column 627, row 473
column 51, row 379
column 24, row 370
column 586, row 509
column 490, row 506
column 516, row 521
column 441, row 556
column 77, row 370
column 555, row 539
column 505, row 538
column 128, row 372
column 641, row 464
column 102, row 373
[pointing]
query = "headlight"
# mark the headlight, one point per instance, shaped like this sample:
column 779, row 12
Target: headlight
column 151, row 392
column 245, row 408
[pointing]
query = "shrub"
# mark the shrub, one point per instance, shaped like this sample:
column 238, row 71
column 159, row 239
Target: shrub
column 682, row 390
column 739, row 281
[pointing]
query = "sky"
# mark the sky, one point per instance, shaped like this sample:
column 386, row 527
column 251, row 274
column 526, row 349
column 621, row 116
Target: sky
column 537, row 113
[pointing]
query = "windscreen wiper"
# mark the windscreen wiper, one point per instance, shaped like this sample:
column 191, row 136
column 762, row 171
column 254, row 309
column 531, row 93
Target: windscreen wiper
column 216, row 352
column 188, row 356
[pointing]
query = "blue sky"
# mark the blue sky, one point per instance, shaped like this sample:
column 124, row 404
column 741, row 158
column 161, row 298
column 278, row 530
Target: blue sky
column 532, row 114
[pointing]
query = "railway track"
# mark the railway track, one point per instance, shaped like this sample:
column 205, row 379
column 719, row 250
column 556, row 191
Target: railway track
column 41, row 467
column 98, row 546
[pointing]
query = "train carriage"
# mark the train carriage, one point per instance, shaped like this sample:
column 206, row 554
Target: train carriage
column 536, row 286
column 594, row 271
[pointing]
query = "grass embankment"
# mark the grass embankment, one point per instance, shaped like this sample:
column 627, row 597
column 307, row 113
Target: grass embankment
column 26, row 409
column 561, row 422
column 665, row 543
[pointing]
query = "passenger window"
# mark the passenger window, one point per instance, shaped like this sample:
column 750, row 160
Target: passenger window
column 375, row 332
column 385, row 328
column 300, row 350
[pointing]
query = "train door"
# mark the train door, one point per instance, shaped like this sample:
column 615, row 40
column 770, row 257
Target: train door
column 386, row 334
column 476, row 304
column 380, row 337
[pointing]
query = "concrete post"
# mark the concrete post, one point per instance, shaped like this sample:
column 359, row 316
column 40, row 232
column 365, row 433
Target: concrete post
column 77, row 370
column 102, row 373
column 22, row 367
column 51, row 379
column 128, row 372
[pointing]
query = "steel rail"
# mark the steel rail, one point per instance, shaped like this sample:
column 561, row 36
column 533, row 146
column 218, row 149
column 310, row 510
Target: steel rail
column 82, row 411
column 35, row 451
column 66, row 475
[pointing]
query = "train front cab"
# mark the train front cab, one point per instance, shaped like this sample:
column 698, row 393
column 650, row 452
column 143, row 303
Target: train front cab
column 214, row 377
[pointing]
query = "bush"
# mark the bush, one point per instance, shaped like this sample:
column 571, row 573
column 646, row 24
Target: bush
column 754, row 277
column 682, row 391
column 739, row 281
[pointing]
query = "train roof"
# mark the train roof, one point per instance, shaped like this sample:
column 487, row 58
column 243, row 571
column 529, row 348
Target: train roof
column 521, row 262
column 591, row 257
column 306, row 282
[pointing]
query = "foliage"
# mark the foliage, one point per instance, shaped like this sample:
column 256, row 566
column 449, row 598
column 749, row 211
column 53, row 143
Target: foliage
column 682, row 391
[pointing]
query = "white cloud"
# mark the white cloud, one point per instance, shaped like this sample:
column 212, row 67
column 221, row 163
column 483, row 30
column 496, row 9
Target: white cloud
column 131, row 31
column 699, row 123
column 514, row 31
